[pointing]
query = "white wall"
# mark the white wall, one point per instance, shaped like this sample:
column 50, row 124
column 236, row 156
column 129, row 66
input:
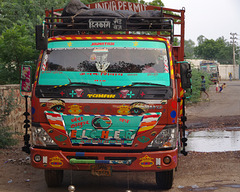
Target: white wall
column 194, row 62
column 224, row 71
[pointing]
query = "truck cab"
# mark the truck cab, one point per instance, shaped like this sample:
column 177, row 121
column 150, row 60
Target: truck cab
column 107, row 97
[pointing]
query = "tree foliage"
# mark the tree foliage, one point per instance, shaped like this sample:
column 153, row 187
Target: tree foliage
column 189, row 49
column 17, row 32
column 16, row 46
column 219, row 50
column 25, row 12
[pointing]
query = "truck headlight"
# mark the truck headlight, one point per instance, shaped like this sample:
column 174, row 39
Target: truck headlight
column 167, row 138
column 41, row 138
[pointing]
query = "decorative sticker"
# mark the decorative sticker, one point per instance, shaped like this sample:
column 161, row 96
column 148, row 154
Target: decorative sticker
column 165, row 61
column 79, row 92
column 124, row 120
column 124, row 93
column 103, row 129
column 103, row 45
column 50, row 130
column 138, row 108
column 149, row 122
column 135, row 43
column 146, row 161
column 44, row 63
column 56, row 161
column 142, row 94
column 102, row 122
column 143, row 139
column 73, row 93
column 55, row 120
column 110, row 79
column 69, row 44
column 62, row 93
column 101, row 63
column 61, row 138
column 108, row 96
column 57, row 105
column 130, row 94
column 75, row 109
column 173, row 114
column 100, row 50
column 123, row 110
column 93, row 57
column 25, row 82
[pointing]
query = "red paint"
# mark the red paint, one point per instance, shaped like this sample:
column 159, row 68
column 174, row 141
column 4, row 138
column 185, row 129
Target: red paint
column 73, row 134
column 109, row 105
column 124, row 120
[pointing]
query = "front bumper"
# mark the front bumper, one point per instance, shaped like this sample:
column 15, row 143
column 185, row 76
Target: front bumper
column 127, row 161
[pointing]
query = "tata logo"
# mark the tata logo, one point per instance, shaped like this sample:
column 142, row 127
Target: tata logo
column 101, row 122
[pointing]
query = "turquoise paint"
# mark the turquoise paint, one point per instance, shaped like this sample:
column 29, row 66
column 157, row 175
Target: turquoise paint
column 85, row 121
column 99, row 78
column 104, row 79
column 121, row 129
column 106, row 43
column 143, row 139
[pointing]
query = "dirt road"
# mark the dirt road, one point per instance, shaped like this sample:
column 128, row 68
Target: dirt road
column 196, row 172
column 222, row 110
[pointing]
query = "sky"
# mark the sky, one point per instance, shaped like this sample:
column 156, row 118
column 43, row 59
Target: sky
column 210, row 18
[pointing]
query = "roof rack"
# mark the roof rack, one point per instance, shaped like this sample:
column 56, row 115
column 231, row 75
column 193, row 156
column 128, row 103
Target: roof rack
column 77, row 24
column 56, row 26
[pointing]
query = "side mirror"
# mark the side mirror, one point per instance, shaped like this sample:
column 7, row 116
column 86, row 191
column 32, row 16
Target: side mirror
column 25, row 82
column 186, row 74
column 41, row 37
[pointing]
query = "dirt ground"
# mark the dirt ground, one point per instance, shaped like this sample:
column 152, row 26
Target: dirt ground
column 219, row 171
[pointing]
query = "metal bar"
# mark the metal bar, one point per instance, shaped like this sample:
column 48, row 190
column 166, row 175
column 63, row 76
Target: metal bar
column 93, row 161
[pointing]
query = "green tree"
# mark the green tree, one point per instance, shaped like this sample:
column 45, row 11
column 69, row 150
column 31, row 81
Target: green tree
column 17, row 32
column 219, row 50
column 189, row 46
column 224, row 53
column 158, row 3
column 16, row 46
column 201, row 39
column 25, row 12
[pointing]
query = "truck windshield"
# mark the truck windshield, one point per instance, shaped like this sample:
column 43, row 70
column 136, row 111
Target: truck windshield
column 114, row 63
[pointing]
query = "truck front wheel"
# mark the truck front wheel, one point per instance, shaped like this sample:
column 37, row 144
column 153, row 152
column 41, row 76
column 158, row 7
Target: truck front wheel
column 164, row 179
column 53, row 178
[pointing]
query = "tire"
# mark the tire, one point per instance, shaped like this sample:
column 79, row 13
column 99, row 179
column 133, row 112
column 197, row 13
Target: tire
column 54, row 178
column 164, row 179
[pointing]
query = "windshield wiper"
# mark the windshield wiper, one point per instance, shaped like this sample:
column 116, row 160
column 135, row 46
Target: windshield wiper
column 75, row 83
column 138, row 83
column 145, row 83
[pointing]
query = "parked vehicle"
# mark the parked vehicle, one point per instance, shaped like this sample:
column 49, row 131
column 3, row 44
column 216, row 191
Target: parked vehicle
column 107, row 97
column 211, row 67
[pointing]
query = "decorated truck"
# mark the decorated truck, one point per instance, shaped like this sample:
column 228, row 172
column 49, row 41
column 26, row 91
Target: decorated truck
column 108, row 93
column 212, row 68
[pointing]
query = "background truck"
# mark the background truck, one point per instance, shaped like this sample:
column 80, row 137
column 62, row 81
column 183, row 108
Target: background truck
column 109, row 91
column 212, row 68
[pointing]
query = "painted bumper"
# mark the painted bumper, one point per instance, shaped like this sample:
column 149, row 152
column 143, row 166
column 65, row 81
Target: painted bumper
column 142, row 161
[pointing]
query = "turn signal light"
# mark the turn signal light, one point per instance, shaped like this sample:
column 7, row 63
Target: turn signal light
column 37, row 158
column 167, row 160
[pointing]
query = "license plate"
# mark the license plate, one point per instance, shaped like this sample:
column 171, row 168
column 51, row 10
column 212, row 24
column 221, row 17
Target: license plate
column 101, row 170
